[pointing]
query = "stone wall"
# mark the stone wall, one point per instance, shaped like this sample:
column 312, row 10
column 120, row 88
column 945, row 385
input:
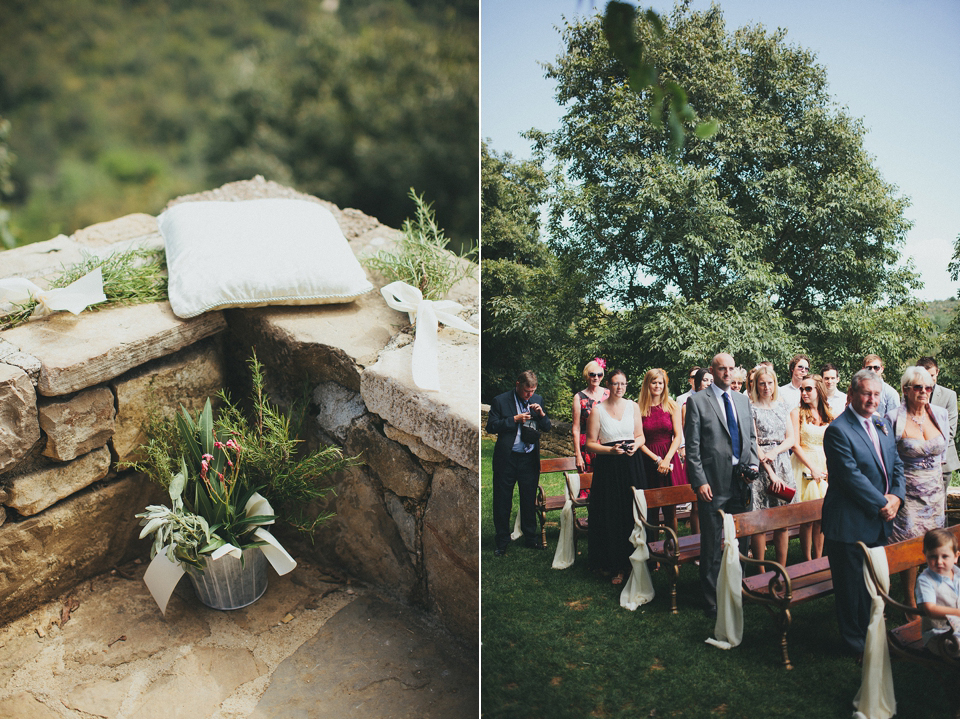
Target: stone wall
column 75, row 392
column 557, row 442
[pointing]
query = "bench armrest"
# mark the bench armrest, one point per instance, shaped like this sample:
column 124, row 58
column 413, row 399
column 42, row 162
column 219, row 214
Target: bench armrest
column 779, row 587
column 671, row 543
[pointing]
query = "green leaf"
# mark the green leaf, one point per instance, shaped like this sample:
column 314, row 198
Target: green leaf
column 706, row 130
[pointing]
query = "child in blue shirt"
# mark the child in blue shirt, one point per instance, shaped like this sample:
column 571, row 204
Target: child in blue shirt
column 938, row 588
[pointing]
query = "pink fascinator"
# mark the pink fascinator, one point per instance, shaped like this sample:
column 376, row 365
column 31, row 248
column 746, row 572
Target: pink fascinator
column 600, row 361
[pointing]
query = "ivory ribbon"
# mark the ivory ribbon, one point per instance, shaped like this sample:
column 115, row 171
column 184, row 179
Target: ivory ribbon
column 565, row 555
column 163, row 575
column 426, row 313
column 75, row 297
column 639, row 587
column 875, row 699
column 729, row 627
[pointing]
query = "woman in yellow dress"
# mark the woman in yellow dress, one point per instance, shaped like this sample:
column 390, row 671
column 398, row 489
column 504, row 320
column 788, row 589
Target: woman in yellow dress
column 810, row 421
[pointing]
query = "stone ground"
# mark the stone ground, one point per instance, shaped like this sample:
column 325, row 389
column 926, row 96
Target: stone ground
column 312, row 647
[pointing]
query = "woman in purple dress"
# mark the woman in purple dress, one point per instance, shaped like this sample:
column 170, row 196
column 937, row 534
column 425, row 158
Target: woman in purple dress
column 663, row 432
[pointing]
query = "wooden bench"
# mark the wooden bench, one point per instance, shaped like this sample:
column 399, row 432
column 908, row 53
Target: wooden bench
column 906, row 641
column 672, row 551
column 553, row 503
column 675, row 550
column 780, row 588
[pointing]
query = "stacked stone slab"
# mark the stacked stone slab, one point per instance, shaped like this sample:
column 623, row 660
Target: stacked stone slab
column 75, row 393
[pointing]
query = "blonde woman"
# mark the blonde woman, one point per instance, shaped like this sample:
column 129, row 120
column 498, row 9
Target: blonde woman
column 810, row 421
column 663, row 431
column 771, row 417
column 583, row 403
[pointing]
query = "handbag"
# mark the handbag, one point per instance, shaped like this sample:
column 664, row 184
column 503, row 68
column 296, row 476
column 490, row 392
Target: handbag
column 785, row 494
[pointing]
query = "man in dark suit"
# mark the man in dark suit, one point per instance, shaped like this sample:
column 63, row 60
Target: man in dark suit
column 946, row 398
column 720, row 437
column 866, row 489
column 516, row 458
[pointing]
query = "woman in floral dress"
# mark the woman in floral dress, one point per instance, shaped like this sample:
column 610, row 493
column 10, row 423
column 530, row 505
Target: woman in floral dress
column 771, row 417
column 583, row 403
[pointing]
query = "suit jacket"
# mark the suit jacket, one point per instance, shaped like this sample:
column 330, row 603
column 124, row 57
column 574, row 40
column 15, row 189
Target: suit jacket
column 709, row 447
column 898, row 420
column 947, row 398
column 500, row 422
column 851, row 508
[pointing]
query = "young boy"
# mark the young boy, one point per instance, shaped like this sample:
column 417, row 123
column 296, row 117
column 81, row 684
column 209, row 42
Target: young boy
column 938, row 587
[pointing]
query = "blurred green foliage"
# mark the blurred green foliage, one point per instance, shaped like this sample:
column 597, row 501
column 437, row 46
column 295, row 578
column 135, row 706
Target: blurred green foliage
column 117, row 106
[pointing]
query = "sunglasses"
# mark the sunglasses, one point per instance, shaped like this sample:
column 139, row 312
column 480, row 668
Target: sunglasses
column 921, row 388
column 595, row 374
column 874, row 367
column 806, row 389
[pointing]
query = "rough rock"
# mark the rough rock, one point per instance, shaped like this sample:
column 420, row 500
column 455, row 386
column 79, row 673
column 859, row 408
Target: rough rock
column 414, row 444
column 368, row 541
column 100, row 697
column 84, row 535
column 338, row 408
column 372, row 659
column 138, row 229
column 11, row 355
column 406, row 522
column 80, row 351
column 41, row 262
column 389, row 460
column 25, row 705
column 186, row 378
column 19, row 426
column 446, row 421
column 197, row 683
column 77, row 425
column 34, row 491
column 450, row 529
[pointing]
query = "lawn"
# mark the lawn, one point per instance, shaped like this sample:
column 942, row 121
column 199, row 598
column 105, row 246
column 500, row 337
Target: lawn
column 556, row 643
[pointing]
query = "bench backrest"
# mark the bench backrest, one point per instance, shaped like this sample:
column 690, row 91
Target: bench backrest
column 669, row 496
column 586, row 480
column 766, row 520
column 558, row 464
column 909, row 553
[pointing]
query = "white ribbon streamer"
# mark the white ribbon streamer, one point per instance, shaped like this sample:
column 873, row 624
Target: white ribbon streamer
column 729, row 627
column 517, row 530
column 565, row 553
column 639, row 587
column 426, row 313
column 875, row 699
column 75, row 297
column 163, row 575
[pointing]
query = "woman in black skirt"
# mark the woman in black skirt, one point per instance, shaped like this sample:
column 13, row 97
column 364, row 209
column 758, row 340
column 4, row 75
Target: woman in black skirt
column 615, row 435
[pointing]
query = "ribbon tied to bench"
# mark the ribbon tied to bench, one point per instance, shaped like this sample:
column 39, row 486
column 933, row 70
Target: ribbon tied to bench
column 729, row 627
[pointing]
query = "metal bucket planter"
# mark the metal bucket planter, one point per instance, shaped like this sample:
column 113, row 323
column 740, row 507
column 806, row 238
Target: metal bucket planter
column 228, row 583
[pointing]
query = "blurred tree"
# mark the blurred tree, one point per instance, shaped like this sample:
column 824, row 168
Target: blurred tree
column 358, row 107
column 750, row 238
column 532, row 302
column 6, row 186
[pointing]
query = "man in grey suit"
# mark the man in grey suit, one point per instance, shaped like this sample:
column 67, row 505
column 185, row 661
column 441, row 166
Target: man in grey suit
column 866, row 490
column 946, row 398
column 720, row 440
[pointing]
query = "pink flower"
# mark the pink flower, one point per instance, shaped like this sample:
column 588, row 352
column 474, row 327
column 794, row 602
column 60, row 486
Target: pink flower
column 208, row 457
column 229, row 463
column 600, row 361
column 218, row 445
column 233, row 445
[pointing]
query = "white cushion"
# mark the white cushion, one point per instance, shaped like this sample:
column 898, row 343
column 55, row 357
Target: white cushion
column 253, row 253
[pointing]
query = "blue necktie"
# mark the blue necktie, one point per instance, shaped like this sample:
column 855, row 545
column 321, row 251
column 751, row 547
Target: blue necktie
column 732, row 425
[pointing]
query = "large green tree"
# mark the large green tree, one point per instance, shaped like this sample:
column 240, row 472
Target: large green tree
column 532, row 301
column 743, row 241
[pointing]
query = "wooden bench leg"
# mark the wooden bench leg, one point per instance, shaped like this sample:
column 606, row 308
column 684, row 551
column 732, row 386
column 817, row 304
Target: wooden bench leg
column 784, row 624
column 674, row 578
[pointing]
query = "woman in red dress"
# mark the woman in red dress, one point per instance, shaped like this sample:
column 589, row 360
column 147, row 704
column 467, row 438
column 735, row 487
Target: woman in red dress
column 583, row 403
column 663, row 431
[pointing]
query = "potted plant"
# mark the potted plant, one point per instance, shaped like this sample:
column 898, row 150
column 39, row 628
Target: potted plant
column 223, row 476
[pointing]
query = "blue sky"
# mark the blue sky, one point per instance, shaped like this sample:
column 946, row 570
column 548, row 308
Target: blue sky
column 895, row 64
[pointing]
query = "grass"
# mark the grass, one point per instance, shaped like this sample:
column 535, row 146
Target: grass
column 557, row 644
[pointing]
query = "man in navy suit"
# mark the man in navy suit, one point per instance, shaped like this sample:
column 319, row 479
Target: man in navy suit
column 866, row 489
column 515, row 460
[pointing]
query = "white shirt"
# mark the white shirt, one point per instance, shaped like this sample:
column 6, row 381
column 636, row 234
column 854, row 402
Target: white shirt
column 790, row 395
column 718, row 393
column 838, row 402
column 889, row 399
